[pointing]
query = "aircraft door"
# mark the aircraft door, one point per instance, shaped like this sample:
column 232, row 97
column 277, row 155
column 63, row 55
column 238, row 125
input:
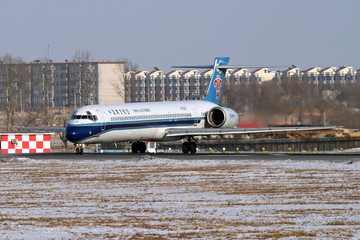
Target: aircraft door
column 102, row 119
column 195, row 113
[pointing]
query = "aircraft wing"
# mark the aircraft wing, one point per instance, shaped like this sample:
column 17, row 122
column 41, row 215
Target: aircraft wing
column 43, row 129
column 177, row 132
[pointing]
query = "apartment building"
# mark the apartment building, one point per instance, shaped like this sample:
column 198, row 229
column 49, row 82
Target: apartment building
column 262, row 75
column 345, row 75
column 312, row 75
column 68, row 84
column 239, row 76
column 327, row 76
column 172, row 88
column 139, row 87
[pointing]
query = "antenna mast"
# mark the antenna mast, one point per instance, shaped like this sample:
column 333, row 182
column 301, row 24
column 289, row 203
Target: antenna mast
column 48, row 52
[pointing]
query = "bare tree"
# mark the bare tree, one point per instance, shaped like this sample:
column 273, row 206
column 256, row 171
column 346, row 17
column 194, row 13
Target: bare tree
column 350, row 96
column 14, row 76
column 273, row 101
column 82, row 55
column 123, row 84
column 130, row 66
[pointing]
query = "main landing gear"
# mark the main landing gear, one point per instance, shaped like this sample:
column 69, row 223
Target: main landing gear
column 189, row 146
column 138, row 147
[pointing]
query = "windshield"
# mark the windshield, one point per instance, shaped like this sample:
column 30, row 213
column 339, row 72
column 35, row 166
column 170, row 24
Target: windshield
column 88, row 116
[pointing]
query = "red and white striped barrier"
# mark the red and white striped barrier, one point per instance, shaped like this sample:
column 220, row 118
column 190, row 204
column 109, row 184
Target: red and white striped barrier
column 25, row 143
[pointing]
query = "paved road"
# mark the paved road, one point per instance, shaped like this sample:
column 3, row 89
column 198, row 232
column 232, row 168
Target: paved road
column 242, row 156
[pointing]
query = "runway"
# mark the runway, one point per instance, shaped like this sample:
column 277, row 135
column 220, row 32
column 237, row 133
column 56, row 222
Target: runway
column 178, row 156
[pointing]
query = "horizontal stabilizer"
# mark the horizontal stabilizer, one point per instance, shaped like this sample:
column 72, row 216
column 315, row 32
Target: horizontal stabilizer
column 228, row 66
column 244, row 66
column 194, row 66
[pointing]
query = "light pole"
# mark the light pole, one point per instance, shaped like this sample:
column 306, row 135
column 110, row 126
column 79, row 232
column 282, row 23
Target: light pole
column 81, row 86
column 45, row 100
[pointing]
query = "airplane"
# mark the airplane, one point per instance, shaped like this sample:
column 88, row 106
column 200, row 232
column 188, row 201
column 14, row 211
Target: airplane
column 162, row 121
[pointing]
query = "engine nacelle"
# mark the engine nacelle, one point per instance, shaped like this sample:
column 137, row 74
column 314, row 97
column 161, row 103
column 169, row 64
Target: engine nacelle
column 222, row 117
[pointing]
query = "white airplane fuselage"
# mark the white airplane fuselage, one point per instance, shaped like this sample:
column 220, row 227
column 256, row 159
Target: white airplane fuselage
column 143, row 121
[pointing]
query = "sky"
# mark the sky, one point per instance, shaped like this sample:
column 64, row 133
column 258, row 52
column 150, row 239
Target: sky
column 162, row 33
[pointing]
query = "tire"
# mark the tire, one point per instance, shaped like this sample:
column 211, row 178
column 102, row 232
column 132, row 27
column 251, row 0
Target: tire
column 186, row 147
column 135, row 147
column 142, row 147
column 79, row 151
column 192, row 147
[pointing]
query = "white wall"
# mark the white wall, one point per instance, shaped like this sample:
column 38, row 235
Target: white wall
column 111, row 76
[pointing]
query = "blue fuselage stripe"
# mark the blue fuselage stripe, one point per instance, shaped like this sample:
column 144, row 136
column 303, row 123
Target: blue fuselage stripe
column 80, row 132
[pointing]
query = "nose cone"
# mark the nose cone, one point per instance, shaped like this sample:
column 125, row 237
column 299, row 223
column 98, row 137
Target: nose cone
column 80, row 133
column 73, row 133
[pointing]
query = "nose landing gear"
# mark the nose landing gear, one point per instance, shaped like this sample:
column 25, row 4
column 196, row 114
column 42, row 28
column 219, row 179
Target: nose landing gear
column 79, row 149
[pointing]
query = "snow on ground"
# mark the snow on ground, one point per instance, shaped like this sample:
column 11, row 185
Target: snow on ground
column 179, row 199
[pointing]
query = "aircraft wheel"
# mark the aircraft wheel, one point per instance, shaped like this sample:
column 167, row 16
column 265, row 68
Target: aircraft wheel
column 142, row 147
column 192, row 147
column 79, row 151
column 135, row 147
column 186, row 147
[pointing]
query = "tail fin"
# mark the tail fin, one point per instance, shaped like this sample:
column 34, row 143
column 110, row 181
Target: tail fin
column 217, row 80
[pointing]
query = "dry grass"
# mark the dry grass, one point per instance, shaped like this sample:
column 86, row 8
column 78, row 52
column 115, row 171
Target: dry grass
column 179, row 201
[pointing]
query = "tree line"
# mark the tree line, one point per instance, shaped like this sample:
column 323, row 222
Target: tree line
column 291, row 101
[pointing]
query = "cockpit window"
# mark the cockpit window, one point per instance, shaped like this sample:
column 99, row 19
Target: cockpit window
column 73, row 116
column 90, row 117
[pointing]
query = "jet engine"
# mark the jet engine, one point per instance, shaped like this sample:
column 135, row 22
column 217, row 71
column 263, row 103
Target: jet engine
column 222, row 117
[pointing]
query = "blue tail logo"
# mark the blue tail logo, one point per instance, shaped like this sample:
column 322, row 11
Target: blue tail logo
column 217, row 80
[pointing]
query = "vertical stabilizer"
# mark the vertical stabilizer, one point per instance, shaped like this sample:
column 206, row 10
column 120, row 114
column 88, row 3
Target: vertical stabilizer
column 217, row 80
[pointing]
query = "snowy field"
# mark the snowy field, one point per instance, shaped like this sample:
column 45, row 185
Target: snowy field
column 179, row 199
